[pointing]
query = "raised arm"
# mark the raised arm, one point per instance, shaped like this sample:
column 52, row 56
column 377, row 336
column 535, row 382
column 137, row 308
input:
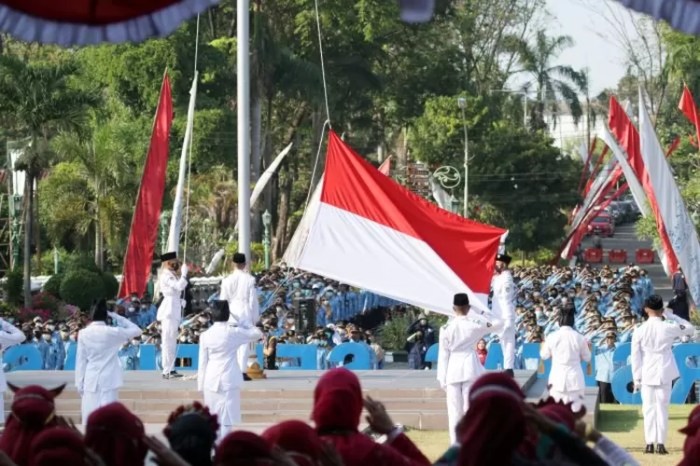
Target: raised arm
column 585, row 350
column 682, row 327
column 126, row 329
column 545, row 350
column 10, row 334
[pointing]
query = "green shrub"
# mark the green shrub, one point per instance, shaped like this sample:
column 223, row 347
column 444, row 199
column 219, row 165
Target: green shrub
column 81, row 262
column 14, row 287
column 53, row 285
column 82, row 287
column 111, row 285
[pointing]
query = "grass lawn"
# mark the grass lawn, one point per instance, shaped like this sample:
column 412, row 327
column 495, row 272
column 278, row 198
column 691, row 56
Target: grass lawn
column 621, row 424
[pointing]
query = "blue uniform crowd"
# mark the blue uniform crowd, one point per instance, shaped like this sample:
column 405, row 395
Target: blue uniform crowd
column 608, row 304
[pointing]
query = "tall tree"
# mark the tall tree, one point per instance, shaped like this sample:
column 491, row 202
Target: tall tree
column 551, row 83
column 38, row 100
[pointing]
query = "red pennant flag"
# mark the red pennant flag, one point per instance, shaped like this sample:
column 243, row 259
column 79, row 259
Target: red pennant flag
column 385, row 167
column 674, row 145
column 687, row 106
column 144, row 224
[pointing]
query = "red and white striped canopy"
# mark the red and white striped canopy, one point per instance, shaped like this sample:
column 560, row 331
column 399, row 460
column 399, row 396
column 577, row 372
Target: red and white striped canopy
column 86, row 22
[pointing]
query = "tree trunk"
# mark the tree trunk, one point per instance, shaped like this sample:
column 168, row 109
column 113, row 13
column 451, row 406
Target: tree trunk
column 37, row 231
column 99, row 238
column 29, row 192
column 282, row 216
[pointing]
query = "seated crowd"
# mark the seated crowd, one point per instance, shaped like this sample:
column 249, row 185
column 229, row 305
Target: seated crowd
column 535, row 434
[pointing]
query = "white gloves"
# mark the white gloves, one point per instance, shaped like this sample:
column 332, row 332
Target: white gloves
column 183, row 270
column 637, row 387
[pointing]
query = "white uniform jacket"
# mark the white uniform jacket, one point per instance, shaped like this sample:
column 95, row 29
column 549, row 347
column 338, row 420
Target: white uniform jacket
column 9, row 336
column 503, row 300
column 457, row 359
column 239, row 290
column 97, row 365
column 652, row 357
column 171, row 287
column 218, row 367
column 568, row 349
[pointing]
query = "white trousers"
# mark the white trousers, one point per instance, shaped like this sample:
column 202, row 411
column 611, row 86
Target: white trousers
column 227, row 406
column 457, row 405
column 2, row 408
column 168, row 347
column 242, row 355
column 93, row 400
column 575, row 397
column 655, row 401
column 507, row 339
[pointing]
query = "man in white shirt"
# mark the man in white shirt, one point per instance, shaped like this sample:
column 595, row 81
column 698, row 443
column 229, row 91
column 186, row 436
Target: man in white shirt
column 458, row 364
column 654, row 367
column 98, row 374
column 219, row 376
column 503, row 306
column 238, row 289
column 172, row 282
column 568, row 349
column 9, row 336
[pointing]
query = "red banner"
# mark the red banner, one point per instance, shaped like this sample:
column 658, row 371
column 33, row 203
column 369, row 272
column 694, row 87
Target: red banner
column 144, row 224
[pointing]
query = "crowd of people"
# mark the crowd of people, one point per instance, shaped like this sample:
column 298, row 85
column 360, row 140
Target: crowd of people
column 536, row 434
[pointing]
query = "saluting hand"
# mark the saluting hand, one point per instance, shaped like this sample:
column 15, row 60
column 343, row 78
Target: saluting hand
column 377, row 417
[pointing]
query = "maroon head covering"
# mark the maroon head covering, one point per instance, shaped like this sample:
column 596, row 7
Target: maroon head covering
column 242, row 448
column 560, row 413
column 116, row 435
column 337, row 401
column 484, row 436
column 691, row 446
column 298, row 440
column 33, row 410
column 58, row 446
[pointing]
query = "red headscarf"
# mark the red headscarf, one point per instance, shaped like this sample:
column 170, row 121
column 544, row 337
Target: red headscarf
column 559, row 413
column 484, row 436
column 33, row 410
column 115, row 434
column 691, row 446
column 298, row 440
column 242, row 448
column 58, row 446
column 337, row 401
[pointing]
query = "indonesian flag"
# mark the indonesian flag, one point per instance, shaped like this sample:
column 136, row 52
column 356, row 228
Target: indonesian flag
column 364, row 229
column 629, row 139
column 672, row 209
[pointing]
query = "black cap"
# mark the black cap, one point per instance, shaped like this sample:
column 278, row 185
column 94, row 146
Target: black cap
column 461, row 300
column 168, row 256
column 239, row 258
column 503, row 258
column 654, row 302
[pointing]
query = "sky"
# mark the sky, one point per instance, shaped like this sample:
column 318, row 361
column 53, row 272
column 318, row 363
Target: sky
column 595, row 46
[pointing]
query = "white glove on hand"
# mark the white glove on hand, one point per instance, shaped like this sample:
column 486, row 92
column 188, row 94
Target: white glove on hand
column 637, row 387
column 183, row 270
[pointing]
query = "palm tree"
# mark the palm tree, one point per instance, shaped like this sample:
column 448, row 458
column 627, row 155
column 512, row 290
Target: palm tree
column 103, row 163
column 551, row 83
column 38, row 101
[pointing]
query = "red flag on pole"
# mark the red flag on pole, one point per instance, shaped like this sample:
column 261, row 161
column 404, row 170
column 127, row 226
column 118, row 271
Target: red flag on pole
column 144, row 224
column 687, row 106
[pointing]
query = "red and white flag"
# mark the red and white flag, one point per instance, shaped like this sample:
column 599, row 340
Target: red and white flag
column 672, row 209
column 364, row 229
column 628, row 137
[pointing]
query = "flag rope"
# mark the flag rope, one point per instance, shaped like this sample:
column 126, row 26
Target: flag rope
column 323, row 68
column 189, row 156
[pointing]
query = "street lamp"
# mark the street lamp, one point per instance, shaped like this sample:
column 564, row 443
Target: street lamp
column 462, row 102
column 267, row 221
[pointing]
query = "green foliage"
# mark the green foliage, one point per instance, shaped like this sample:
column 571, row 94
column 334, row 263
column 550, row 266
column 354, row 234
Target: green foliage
column 111, row 285
column 13, row 287
column 82, row 287
column 53, row 285
column 392, row 335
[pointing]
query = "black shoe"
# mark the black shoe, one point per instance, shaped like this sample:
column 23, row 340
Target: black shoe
column 661, row 449
column 509, row 372
column 172, row 375
column 246, row 377
column 649, row 449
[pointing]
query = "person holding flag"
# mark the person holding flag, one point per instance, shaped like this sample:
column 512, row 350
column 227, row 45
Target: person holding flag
column 503, row 306
column 172, row 282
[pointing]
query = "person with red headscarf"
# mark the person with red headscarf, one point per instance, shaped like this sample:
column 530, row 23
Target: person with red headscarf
column 115, row 434
column 336, row 413
column 242, row 448
column 691, row 446
column 33, row 410
column 302, row 444
column 58, row 446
